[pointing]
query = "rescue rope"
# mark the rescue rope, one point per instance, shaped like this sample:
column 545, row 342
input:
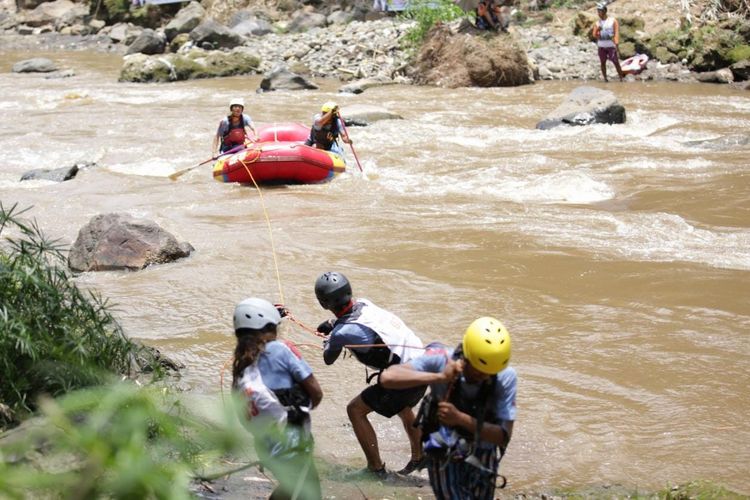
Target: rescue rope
column 268, row 222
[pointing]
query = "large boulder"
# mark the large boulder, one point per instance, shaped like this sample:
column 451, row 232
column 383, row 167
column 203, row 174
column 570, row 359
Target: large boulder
column 119, row 241
column 741, row 70
column 186, row 20
column 211, row 34
column 364, row 114
column 585, row 106
column 305, row 21
column 35, row 65
column 280, row 78
column 195, row 63
column 58, row 13
column 457, row 55
column 252, row 27
column 148, row 42
column 56, row 175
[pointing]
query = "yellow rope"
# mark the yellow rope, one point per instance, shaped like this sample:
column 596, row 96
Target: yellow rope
column 268, row 223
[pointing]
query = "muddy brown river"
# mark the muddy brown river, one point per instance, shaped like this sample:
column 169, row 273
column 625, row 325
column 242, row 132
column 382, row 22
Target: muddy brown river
column 617, row 256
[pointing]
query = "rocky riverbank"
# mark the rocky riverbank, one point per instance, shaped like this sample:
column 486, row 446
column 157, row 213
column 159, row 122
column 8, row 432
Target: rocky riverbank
column 343, row 42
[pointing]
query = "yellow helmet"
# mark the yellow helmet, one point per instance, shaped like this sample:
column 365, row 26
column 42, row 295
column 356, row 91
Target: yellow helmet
column 329, row 106
column 486, row 345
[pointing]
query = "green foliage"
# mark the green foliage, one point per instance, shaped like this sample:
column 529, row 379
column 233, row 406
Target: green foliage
column 53, row 336
column 739, row 53
column 427, row 13
column 118, row 441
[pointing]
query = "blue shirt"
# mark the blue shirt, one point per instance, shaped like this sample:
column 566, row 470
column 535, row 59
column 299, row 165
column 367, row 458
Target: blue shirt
column 505, row 388
column 280, row 368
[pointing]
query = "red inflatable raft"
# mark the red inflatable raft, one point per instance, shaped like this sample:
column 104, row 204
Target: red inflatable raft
column 279, row 157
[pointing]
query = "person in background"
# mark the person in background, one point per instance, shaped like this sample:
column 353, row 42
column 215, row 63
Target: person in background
column 489, row 16
column 467, row 419
column 378, row 339
column 607, row 34
column 234, row 130
column 279, row 390
column 326, row 129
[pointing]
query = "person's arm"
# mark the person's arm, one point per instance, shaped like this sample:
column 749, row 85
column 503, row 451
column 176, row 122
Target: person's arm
column 333, row 347
column 406, row 376
column 616, row 38
column 217, row 139
column 344, row 134
column 249, row 127
column 312, row 387
column 492, row 433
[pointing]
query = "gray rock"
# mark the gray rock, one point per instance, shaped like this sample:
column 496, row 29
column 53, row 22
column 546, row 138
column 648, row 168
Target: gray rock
column 119, row 241
column 721, row 143
column 66, row 73
column 363, row 115
column 305, row 21
column 187, row 19
column 148, row 42
column 720, row 76
column 35, row 65
column 359, row 86
column 56, row 175
column 280, row 78
column 58, row 13
column 585, row 106
column 252, row 27
column 741, row 70
column 212, row 33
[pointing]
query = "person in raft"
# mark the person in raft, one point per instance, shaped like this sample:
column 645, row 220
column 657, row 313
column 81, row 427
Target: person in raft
column 467, row 418
column 326, row 129
column 234, row 130
column 378, row 339
column 278, row 390
column 607, row 34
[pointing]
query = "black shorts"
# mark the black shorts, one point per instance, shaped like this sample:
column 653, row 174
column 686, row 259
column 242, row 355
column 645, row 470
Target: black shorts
column 389, row 402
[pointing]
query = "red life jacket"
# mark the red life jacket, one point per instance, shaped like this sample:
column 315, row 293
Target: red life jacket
column 235, row 134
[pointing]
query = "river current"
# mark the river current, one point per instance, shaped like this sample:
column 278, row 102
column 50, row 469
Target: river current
column 617, row 256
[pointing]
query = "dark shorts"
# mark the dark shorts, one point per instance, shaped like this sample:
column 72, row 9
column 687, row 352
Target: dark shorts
column 608, row 53
column 389, row 402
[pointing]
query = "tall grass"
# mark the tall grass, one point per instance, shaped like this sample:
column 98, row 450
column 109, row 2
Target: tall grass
column 427, row 13
column 54, row 337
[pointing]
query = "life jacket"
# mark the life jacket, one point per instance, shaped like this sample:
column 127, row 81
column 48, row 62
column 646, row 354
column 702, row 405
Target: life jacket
column 478, row 406
column 326, row 136
column 235, row 133
column 280, row 406
column 403, row 344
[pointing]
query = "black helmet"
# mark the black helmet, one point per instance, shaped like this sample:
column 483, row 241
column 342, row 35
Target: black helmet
column 333, row 291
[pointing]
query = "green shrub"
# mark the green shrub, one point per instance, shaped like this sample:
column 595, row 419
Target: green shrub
column 739, row 53
column 119, row 442
column 54, row 337
column 427, row 13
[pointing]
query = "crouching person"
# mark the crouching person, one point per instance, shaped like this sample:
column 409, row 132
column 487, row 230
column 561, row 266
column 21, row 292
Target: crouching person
column 280, row 390
column 467, row 418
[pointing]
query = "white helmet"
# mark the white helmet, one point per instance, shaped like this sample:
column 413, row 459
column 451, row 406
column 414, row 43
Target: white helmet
column 237, row 101
column 255, row 314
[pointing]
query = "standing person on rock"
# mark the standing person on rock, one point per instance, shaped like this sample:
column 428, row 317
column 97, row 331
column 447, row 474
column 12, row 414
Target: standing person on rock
column 234, row 130
column 378, row 339
column 326, row 129
column 467, row 419
column 607, row 34
column 279, row 390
